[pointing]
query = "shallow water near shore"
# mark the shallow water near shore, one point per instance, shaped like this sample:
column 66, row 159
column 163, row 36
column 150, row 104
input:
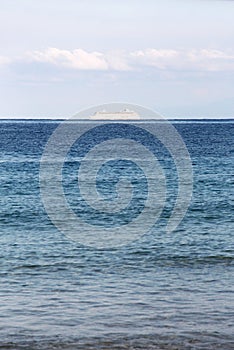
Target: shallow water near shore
column 161, row 291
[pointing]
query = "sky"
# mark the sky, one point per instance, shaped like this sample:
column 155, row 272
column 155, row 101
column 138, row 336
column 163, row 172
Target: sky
column 60, row 56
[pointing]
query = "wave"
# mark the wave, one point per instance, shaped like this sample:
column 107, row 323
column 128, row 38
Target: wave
column 195, row 341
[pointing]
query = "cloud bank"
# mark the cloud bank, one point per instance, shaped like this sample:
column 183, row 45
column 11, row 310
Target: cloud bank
column 165, row 60
column 79, row 59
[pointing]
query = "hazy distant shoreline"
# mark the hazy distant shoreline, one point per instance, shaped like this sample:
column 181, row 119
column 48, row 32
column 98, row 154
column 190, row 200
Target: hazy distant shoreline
column 121, row 120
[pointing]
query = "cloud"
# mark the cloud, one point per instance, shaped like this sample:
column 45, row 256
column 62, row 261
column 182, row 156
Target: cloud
column 198, row 60
column 4, row 60
column 76, row 59
column 211, row 60
column 155, row 58
column 170, row 60
column 79, row 59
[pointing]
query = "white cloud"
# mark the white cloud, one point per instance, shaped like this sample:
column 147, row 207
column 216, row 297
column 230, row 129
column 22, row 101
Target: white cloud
column 80, row 59
column 118, row 61
column 199, row 60
column 76, row 59
column 217, row 54
column 4, row 60
column 211, row 60
column 155, row 58
column 203, row 60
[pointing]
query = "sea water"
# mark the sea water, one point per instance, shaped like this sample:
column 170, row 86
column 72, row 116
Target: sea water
column 159, row 291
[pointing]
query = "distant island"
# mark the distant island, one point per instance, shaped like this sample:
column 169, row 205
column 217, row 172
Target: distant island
column 125, row 114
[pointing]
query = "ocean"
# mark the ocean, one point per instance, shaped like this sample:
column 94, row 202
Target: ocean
column 155, row 290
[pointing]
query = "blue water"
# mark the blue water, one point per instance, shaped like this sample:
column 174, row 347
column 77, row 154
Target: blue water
column 160, row 291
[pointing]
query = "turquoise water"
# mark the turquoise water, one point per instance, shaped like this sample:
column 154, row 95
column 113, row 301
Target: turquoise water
column 160, row 291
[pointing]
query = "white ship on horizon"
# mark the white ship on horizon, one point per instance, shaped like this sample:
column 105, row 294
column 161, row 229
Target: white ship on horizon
column 125, row 114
